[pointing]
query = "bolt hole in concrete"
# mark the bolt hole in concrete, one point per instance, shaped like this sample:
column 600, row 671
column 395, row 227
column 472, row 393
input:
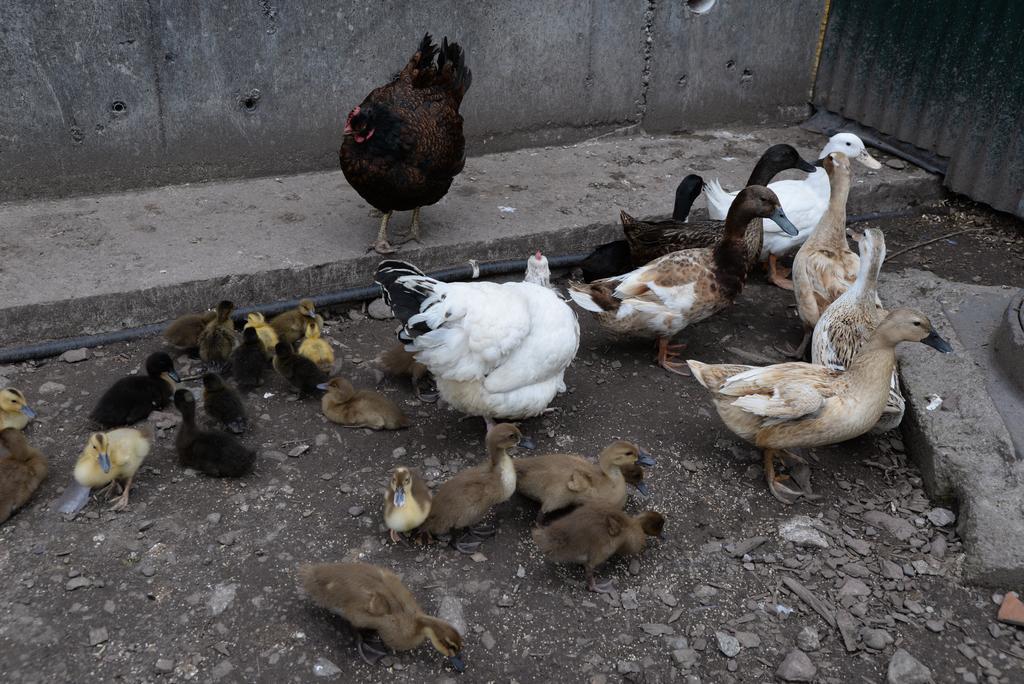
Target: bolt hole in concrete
column 119, row 107
column 249, row 103
column 700, row 6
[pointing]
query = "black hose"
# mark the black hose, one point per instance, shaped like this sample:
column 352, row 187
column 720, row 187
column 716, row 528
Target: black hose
column 44, row 350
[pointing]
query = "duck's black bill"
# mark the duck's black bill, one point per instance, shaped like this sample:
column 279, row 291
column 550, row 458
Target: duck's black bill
column 806, row 166
column 935, row 341
column 785, row 224
column 645, row 459
column 457, row 663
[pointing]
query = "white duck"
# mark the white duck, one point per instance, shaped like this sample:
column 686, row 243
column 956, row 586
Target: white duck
column 497, row 350
column 804, row 202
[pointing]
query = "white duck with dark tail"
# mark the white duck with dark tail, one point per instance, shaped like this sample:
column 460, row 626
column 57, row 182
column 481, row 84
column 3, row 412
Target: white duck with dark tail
column 496, row 350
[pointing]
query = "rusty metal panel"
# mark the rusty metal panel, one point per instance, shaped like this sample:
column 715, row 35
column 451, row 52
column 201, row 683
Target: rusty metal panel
column 944, row 75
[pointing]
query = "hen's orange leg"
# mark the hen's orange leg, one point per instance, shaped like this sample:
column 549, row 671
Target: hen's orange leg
column 382, row 246
column 778, row 275
column 666, row 353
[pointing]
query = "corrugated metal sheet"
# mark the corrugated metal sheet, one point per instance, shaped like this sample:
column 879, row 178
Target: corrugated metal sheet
column 944, row 75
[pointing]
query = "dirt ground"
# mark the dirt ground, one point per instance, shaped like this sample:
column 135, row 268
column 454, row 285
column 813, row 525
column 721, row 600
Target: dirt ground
column 197, row 581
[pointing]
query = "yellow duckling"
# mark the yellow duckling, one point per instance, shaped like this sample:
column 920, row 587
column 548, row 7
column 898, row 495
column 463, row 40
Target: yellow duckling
column 266, row 332
column 406, row 502
column 315, row 348
column 112, row 456
column 14, row 410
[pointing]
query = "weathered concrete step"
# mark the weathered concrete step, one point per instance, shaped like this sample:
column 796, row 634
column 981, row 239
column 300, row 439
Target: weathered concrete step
column 94, row 264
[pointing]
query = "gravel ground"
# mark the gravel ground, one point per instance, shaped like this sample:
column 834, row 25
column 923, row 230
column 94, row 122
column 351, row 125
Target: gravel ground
column 196, row 581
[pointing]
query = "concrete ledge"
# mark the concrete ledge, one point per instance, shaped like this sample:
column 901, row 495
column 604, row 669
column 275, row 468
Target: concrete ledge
column 1009, row 342
column 964, row 448
column 93, row 264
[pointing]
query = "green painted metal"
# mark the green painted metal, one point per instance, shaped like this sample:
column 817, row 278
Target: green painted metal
column 944, row 75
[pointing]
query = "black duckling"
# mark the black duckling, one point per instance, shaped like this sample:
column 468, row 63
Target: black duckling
column 22, row 470
column 213, row 452
column 592, row 534
column 298, row 370
column 372, row 598
column 132, row 399
column 248, row 361
column 217, row 340
column 291, row 325
column 223, row 403
column 183, row 332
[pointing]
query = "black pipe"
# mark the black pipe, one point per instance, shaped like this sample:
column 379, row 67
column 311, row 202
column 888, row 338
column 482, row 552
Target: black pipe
column 43, row 350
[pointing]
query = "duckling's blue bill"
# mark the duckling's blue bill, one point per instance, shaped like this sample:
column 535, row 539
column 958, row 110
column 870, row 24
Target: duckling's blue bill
column 28, row 412
column 783, row 222
column 935, row 341
column 74, row 498
column 104, row 460
column 645, row 459
column 457, row 663
column 173, row 375
column 399, row 498
column 323, row 387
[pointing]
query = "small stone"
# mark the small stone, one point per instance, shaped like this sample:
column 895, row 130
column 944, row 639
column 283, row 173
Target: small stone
column 896, row 164
column 657, row 629
column 994, row 631
column 748, row 639
column 1012, row 610
column 796, row 667
column 355, row 511
column 213, row 518
column 228, row 538
column 109, row 606
column 935, row 625
column 222, row 670
column 222, row 597
column 74, row 355
column 897, row 527
column 853, row 587
column 325, row 668
column 77, row 583
column 890, row 570
column 689, row 465
column 487, row 639
column 50, row 387
column 627, row 666
column 808, row 639
column 685, row 657
column 800, row 530
column 320, row 439
column 398, row 452
column 298, row 450
column 703, row 592
column 97, row 635
column 378, row 310
column 478, row 557
column 164, row 665
column 876, row 639
column 145, row 525
column 906, row 669
column 728, row 644
column 940, row 517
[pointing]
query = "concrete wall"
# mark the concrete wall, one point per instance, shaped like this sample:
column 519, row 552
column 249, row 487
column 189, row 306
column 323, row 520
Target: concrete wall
column 115, row 95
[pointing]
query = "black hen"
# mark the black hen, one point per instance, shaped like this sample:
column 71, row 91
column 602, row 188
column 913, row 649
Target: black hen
column 132, row 399
column 212, row 452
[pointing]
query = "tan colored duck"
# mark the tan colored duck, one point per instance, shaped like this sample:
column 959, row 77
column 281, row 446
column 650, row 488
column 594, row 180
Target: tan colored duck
column 825, row 267
column 22, row 470
column 406, row 502
column 593, row 533
column 466, row 498
column 14, row 410
column 217, row 340
column 183, row 332
column 848, row 322
column 682, row 288
column 345, row 405
column 372, row 598
column 793, row 405
column 316, row 348
column 396, row 362
column 266, row 332
column 561, row 480
column 291, row 325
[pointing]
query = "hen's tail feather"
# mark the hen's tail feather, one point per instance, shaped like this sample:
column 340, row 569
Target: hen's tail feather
column 404, row 289
column 452, row 54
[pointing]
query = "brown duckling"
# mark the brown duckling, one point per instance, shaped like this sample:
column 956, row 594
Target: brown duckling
column 298, row 370
column 561, row 480
column 396, row 362
column 592, row 534
column 132, row 399
column 248, row 361
column 183, row 332
column 372, row 598
column 345, row 405
column 291, row 325
column 466, row 498
column 22, row 470
column 223, row 404
column 217, row 340
column 406, row 502
column 14, row 410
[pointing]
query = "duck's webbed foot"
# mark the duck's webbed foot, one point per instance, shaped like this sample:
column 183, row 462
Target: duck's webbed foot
column 787, row 488
column 666, row 353
column 370, row 644
column 606, row 587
